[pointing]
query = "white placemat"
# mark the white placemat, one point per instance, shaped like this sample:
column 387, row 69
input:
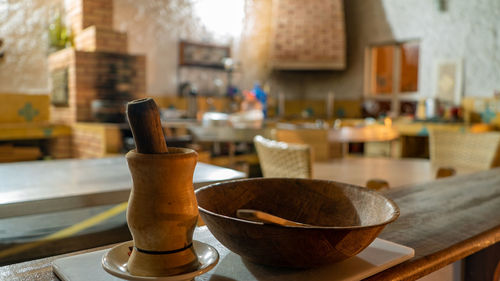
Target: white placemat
column 380, row 255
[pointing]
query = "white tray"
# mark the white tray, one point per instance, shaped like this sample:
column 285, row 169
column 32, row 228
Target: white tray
column 380, row 255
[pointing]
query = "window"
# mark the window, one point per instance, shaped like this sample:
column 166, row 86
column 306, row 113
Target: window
column 391, row 73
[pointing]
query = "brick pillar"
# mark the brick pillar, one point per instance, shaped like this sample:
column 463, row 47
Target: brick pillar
column 85, row 13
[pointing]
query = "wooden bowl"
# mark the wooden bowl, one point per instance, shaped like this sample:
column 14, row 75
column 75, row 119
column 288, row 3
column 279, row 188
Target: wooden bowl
column 346, row 219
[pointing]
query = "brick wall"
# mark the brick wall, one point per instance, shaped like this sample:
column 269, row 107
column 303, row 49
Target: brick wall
column 119, row 76
column 84, row 13
column 93, row 75
column 98, row 68
column 59, row 60
column 92, row 140
column 88, row 143
column 98, row 65
column 61, row 147
column 94, row 38
column 84, row 90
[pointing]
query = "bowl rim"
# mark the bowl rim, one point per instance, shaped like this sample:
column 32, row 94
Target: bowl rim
column 393, row 217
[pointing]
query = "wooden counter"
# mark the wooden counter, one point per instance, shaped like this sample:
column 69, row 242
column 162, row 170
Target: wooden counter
column 444, row 221
column 49, row 186
column 422, row 128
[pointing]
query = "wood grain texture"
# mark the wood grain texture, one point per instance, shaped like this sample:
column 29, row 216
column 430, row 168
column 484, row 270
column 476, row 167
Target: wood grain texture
column 259, row 216
column 346, row 219
column 162, row 212
column 444, row 221
column 144, row 119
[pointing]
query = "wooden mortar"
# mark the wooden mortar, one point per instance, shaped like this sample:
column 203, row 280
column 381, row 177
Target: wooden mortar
column 162, row 211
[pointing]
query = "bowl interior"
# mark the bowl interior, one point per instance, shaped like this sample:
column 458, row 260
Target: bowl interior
column 315, row 202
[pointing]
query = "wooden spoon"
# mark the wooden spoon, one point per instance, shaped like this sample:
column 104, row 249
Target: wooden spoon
column 259, row 216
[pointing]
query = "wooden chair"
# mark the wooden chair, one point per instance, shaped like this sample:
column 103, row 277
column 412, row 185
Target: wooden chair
column 463, row 150
column 280, row 159
column 377, row 184
column 444, row 172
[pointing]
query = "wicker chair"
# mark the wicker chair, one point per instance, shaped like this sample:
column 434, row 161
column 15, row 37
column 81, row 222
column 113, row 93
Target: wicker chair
column 280, row 159
column 316, row 139
column 457, row 149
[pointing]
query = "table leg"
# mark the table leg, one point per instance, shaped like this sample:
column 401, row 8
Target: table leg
column 483, row 265
column 232, row 152
column 216, row 148
column 345, row 149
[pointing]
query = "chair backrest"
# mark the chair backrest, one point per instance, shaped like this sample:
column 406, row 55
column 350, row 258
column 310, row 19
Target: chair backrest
column 458, row 149
column 317, row 139
column 280, row 159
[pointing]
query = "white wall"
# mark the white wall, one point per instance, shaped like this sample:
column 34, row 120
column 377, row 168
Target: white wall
column 467, row 29
column 154, row 28
column 24, row 29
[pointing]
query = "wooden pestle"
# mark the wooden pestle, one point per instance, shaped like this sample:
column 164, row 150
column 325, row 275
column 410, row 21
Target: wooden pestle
column 144, row 119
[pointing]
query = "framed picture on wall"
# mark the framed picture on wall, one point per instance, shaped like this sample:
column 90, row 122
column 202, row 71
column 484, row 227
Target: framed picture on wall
column 448, row 80
column 59, row 94
column 203, row 55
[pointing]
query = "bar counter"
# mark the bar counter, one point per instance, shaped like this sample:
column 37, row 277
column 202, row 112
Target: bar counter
column 444, row 221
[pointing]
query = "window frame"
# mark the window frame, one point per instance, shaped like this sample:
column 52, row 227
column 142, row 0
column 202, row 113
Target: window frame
column 396, row 96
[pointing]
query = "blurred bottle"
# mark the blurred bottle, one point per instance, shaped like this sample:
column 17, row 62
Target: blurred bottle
column 421, row 115
column 261, row 97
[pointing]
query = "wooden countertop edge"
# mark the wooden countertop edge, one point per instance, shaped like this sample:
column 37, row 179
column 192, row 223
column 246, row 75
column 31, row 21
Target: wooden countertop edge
column 422, row 266
column 409, row 270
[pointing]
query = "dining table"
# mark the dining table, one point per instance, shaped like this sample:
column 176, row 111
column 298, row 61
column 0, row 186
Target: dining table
column 36, row 187
column 362, row 134
column 358, row 170
column 444, row 221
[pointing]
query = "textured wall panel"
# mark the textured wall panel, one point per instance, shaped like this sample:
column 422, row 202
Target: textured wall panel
column 308, row 34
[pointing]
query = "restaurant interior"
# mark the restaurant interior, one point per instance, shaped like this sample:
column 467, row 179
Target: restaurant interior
column 389, row 109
